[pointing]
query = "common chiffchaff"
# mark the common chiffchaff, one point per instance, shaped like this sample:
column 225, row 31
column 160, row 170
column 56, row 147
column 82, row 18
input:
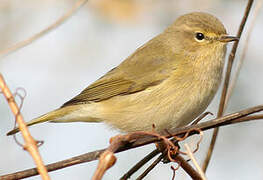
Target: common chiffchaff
column 167, row 82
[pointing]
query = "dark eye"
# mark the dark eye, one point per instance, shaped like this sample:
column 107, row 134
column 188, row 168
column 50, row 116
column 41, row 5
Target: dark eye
column 199, row 36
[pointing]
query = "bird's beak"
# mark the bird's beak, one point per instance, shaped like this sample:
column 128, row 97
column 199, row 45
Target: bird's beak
column 226, row 38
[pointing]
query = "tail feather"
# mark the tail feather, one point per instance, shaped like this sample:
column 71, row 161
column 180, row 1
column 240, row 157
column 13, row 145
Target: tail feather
column 65, row 114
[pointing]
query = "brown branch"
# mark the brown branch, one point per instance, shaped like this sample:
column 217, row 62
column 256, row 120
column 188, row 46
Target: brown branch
column 38, row 35
column 159, row 159
column 188, row 168
column 241, row 116
column 30, row 143
column 87, row 157
column 141, row 163
column 222, row 104
column 181, row 162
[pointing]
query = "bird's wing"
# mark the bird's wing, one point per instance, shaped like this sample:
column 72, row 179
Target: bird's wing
column 148, row 66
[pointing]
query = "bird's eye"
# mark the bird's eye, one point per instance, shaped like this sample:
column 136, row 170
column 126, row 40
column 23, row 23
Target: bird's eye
column 199, row 36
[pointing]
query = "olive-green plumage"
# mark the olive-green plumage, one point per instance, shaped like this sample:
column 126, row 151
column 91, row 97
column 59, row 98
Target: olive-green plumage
column 167, row 82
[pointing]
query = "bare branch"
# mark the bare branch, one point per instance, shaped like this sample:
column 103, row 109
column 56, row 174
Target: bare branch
column 30, row 143
column 222, row 104
column 87, row 157
column 188, row 168
column 159, row 159
column 141, row 163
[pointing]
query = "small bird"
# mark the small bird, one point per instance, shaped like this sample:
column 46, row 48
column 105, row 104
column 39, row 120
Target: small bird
column 167, row 82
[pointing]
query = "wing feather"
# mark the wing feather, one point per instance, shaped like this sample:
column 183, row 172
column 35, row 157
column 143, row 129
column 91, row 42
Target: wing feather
column 148, row 66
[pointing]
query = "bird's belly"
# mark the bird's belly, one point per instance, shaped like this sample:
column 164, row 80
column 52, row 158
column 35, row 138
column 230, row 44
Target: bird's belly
column 164, row 108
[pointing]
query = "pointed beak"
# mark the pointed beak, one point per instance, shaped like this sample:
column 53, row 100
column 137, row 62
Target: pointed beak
column 226, row 38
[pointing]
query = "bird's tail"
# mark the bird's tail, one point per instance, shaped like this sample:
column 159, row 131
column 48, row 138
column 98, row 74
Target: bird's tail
column 65, row 114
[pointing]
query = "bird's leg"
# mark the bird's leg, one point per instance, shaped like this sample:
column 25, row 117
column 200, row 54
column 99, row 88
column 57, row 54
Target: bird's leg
column 168, row 150
column 162, row 147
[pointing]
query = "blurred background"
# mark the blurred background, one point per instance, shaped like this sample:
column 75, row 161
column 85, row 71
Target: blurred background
column 98, row 37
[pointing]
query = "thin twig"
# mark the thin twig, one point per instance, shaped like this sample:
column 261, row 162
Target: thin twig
column 174, row 170
column 30, row 144
column 141, row 163
column 226, row 83
column 159, row 159
column 188, row 168
column 255, row 14
column 87, row 157
column 28, row 41
column 202, row 116
column 22, row 98
column 254, row 117
column 237, row 117
column 191, row 156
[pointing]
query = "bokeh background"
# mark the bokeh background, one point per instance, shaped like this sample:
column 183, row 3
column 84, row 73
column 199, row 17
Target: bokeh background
column 95, row 39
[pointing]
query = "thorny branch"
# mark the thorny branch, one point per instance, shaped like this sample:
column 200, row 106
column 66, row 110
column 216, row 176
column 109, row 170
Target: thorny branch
column 241, row 116
column 222, row 105
column 30, row 143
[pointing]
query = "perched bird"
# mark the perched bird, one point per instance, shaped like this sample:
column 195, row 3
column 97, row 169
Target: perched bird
column 168, row 81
